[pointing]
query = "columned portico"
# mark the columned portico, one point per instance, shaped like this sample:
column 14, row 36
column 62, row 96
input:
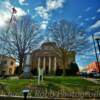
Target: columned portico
column 48, row 59
column 51, row 62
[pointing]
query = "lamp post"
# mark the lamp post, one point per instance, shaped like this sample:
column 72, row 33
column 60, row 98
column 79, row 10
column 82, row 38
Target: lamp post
column 25, row 93
column 95, row 51
column 97, row 38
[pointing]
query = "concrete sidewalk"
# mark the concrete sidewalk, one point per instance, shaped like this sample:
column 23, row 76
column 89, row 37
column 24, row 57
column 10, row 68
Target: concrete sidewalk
column 94, row 80
column 42, row 98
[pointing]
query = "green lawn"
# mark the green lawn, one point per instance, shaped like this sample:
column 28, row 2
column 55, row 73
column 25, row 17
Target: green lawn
column 68, row 84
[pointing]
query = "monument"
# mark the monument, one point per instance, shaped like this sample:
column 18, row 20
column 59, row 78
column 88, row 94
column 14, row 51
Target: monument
column 26, row 67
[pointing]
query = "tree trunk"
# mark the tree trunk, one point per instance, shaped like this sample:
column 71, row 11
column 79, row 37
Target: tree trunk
column 20, row 65
column 64, row 70
column 64, row 63
column 64, row 66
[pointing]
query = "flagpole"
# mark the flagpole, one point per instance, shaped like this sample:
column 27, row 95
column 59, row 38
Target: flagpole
column 95, row 52
column 9, row 25
column 13, row 11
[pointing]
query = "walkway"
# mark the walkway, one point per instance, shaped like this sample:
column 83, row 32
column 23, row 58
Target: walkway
column 94, row 80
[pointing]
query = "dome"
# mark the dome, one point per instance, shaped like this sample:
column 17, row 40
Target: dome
column 48, row 45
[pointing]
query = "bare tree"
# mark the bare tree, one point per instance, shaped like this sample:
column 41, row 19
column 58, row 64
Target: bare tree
column 21, row 38
column 69, row 39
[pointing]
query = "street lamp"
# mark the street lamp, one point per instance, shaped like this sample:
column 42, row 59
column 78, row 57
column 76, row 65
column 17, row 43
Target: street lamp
column 25, row 93
column 97, row 38
column 95, row 51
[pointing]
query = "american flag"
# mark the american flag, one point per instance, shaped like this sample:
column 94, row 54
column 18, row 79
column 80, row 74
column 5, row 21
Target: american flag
column 14, row 11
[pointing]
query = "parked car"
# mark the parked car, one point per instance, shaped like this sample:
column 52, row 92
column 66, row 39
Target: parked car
column 94, row 74
column 84, row 74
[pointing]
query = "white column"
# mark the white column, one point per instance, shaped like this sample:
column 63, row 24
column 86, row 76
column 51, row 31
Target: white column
column 39, row 60
column 55, row 64
column 44, row 64
column 49, row 64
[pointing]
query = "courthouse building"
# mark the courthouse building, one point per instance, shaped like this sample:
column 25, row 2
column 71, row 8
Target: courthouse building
column 48, row 57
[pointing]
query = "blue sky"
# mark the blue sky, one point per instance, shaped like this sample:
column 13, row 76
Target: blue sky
column 85, row 13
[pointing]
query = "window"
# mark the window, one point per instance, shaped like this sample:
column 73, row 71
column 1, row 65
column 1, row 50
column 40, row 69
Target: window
column 3, row 73
column 12, row 63
column 4, row 62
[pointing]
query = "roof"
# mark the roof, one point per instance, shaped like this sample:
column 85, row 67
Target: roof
column 5, row 56
column 93, row 67
column 49, row 44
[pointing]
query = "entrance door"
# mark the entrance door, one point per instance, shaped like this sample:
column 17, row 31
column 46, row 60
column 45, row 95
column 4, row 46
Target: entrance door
column 47, row 70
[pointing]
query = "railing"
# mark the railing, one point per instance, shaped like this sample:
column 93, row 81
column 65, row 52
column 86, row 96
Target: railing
column 59, row 95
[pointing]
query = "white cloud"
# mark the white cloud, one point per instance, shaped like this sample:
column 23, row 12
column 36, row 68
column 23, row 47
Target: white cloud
column 94, row 17
column 86, row 19
column 42, row 12
column 96, row 25
column 81, row 24
column 90, row 39
column 94, row 53
column 23, row 2
column 6, row 11
column 45, row 12
column 88, row 9
column 98, row 10
column 20, row 12
column 44, row 25
column 4, row 18
column 54, row 4
column 79, row 17
column 97, row 33
column 28, row 11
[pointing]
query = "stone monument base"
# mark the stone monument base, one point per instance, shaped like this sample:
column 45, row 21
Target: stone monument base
column 26, row 72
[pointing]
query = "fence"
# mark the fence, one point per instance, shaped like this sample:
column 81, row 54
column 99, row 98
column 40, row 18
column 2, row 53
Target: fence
column 42, row 98
column 41, row 95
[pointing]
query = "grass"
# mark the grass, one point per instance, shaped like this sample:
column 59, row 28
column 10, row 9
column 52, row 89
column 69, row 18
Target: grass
column 71, row 84
column 68, row 84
